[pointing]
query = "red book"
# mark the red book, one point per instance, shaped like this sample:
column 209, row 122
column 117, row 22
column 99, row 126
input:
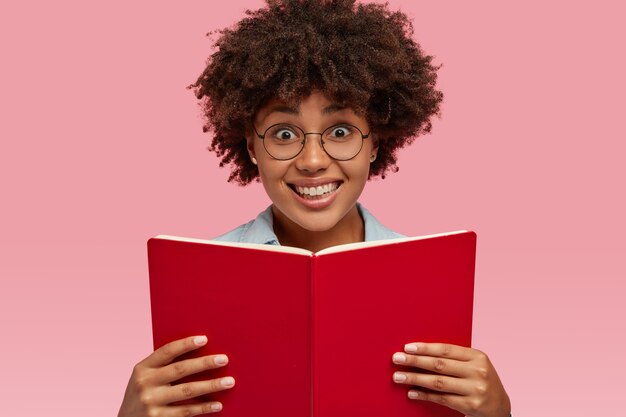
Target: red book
column 312, row 334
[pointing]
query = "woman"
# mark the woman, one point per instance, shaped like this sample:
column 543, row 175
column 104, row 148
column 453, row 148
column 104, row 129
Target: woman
column 314, row 98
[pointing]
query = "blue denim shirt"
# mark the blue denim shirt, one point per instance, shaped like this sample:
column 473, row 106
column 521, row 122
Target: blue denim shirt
column 260, row 230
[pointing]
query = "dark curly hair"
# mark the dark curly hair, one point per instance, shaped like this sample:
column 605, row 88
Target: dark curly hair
column 361, row 56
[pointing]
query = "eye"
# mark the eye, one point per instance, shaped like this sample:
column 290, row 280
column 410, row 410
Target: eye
column 283, row 133
column 341, row 132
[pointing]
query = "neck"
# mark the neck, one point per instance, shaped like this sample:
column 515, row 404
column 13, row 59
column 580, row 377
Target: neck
column 349, row 229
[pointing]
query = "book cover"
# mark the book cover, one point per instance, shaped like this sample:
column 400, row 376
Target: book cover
column 312, row 334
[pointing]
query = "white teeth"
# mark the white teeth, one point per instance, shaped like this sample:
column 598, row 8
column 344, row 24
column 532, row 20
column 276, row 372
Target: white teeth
column 315, row 191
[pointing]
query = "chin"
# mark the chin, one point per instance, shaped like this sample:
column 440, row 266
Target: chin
column 315, row 222
column 317, row 226
column 311, row 220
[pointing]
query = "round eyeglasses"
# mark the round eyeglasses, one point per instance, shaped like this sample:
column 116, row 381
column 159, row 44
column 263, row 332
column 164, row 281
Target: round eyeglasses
column 285, row 141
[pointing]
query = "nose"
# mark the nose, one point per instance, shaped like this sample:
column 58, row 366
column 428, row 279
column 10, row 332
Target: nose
column 313, row 157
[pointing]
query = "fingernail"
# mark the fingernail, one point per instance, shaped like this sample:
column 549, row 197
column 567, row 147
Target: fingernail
column 199, row 340
column 399, row 357
column 216, row 407
column 229, row 381
column 399, row 377
column 220, row 360
column 414, row 395
column 410, row 348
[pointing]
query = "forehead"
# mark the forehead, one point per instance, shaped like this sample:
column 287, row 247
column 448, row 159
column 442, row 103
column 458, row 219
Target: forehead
column 316, row 103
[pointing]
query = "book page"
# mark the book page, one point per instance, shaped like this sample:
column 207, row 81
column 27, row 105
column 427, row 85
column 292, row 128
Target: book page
column 361, row 245
column 258, row 246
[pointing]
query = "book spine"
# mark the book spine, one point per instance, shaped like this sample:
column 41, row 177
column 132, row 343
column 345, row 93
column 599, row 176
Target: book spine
column 314, row 337
column 474, row 238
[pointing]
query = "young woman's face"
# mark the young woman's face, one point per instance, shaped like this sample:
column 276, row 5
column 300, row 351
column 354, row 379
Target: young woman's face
column 291, row 183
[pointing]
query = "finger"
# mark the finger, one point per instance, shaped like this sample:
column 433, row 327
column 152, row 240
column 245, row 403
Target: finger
column 456, row 402
column 193, row 389
column 443, row 350
column 191, row 409
column 180, row 369
column 167, row 353
column 432, row 363
column 434, row 382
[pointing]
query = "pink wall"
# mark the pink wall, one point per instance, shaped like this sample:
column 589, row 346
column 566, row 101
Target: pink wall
column 102, row 148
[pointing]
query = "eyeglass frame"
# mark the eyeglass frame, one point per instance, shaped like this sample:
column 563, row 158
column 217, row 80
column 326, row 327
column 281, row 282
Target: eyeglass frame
column 303, row 143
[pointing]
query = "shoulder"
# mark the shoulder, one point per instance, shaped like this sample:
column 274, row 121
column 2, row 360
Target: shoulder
column 258, row 230
column 375, row 230
column 235, row 234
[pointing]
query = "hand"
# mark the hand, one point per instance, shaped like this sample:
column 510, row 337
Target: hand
column 464, row 379
column 149, row 392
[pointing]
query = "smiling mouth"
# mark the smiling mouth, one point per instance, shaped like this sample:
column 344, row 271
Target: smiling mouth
column 316, row 193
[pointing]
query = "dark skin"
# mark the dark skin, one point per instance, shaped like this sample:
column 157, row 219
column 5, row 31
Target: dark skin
column 464, row 379
column 149, row 391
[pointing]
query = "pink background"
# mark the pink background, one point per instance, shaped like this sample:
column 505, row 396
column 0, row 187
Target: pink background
column 102, row 149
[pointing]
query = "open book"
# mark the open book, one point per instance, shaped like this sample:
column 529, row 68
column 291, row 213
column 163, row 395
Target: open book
column 312, row 334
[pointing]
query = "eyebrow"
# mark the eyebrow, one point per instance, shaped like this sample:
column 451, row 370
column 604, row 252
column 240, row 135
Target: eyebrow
column 333, row 108
column 281, row 108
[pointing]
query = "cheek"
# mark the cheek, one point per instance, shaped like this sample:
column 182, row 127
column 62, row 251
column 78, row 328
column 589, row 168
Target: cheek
column 271, row 172
column 265, row 175
column 360, row 166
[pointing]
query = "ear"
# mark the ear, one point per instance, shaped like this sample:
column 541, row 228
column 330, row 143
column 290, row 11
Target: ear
column 374, row 151
column 250, row 146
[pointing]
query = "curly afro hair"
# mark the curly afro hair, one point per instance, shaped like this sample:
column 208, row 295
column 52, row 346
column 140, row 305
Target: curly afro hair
column 361, row 56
